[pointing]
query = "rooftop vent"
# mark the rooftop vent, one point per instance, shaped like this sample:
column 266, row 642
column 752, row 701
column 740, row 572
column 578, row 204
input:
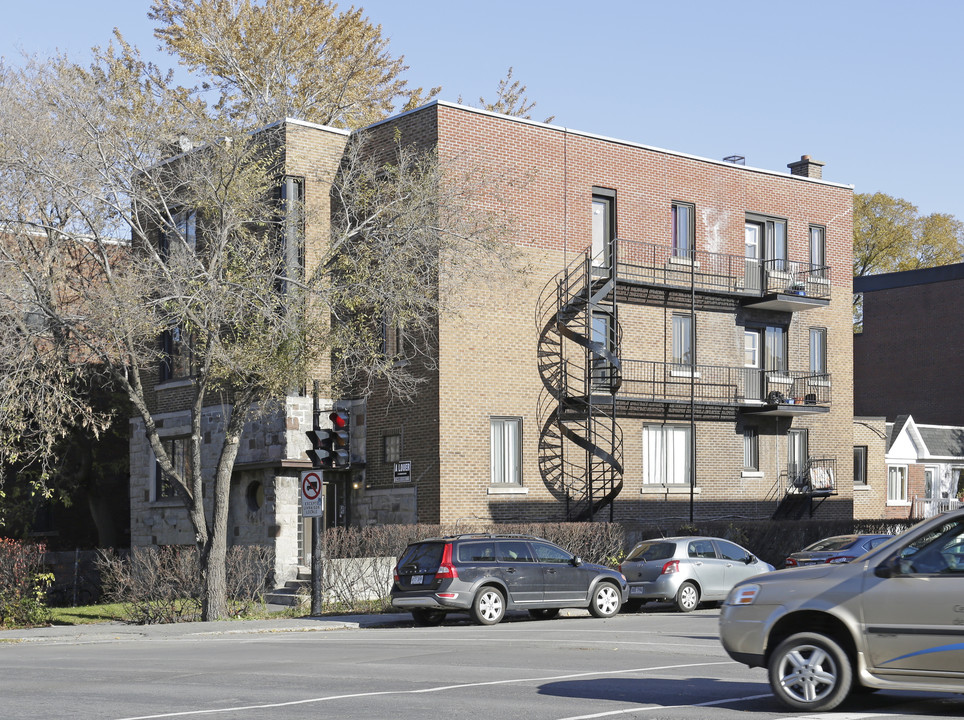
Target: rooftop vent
column 735, row 159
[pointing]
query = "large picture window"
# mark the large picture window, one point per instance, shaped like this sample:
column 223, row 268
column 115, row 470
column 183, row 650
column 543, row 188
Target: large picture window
column 506, row 450
column 667, row 455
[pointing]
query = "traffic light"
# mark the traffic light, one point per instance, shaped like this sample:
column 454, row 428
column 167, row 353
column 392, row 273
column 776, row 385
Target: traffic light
column 330, row 446
column 341, row 438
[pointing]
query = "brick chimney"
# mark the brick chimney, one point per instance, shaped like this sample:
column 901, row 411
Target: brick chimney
column 807, row 167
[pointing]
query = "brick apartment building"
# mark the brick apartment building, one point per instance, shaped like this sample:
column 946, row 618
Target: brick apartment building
column 906, row 359
column 680, row 314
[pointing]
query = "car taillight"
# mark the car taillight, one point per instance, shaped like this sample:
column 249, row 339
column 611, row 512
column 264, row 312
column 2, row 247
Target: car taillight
column 446, row 569
column 670, row 567
column 840, row 559
column 790, row 562
column 395, row 574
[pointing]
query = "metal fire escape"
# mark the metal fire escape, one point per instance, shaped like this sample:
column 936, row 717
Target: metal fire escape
column 580, row 445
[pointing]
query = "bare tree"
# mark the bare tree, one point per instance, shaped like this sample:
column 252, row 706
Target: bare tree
column 116, row 234
column 510, row 99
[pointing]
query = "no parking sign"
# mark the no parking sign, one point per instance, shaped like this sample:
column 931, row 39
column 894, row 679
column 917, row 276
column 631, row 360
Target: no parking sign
column 312, row 494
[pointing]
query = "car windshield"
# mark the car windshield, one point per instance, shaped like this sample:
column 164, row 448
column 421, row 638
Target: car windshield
column 652, row 551
column 834, row 543
column 420, row 558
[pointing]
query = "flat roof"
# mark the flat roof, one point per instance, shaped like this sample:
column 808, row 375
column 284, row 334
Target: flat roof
column 908, row 278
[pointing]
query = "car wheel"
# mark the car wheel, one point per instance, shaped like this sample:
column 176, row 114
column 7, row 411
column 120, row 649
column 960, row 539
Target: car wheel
column 809, row 671
column 488, row 608
column 544, row 613
column 428, row 618
column 687, row 597
column 605, row 600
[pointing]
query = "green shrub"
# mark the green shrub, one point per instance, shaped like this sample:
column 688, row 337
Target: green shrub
column 23, row 584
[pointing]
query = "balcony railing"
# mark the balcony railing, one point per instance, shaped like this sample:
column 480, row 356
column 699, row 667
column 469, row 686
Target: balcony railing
column 680, row 268
column 815, row 476
column 721, row 385
column 929, row 507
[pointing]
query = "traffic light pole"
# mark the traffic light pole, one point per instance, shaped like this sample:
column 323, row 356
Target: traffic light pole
column 317, row 524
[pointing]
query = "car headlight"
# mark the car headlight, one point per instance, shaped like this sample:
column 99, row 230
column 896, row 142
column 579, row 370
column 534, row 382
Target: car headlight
column 743, row 595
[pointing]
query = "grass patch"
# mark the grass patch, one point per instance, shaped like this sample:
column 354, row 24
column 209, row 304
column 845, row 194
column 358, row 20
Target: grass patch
column 87, row 614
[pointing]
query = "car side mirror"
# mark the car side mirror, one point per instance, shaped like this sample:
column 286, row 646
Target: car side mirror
column 749, row 559
column 577, row 561
column 888, row 568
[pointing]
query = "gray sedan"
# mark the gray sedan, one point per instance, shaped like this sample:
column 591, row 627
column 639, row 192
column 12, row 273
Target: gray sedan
column 687, row 570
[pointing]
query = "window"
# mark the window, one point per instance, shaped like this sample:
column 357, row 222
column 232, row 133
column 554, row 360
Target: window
column 775, row 349
column 683, row 339
column 393, row 338
column 751, row 448
column 179, row 451
column 751, row 348
column 772, row 234
column 506, row 450
column 667, row 449
column 818, row 251
column 897, row 484
column 684, row 229
column 602, row 369
column 818, row 351
column 183, row 230
column 177, row 359
column 603, row 225
column 860, row 465
column 392, row 448
column 798, row 455
column 291, row 249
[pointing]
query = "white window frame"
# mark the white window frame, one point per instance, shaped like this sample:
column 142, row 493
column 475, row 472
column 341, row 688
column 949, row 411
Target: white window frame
column 683, row 230
column 751, row 448
column 897, row 485
column 661, row 467
column 505, row 451
column 818, row 351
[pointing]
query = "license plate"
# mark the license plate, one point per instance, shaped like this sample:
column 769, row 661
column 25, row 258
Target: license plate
column 635, row 590
column 416, row 580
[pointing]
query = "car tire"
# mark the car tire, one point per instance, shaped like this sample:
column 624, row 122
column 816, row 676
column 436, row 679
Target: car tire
column 810, row 671
column 633, row 605
column 544, row 613
column 687, row 597
column 488, row 607
column 606, row 600
column 426, row 617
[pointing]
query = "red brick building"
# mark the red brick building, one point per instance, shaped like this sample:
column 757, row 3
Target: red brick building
column 679, row 310
column 679, row 347
column 907, row 356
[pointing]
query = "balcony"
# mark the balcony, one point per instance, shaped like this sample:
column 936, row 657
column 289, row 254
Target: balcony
column 816, row 477
column 784, row 393
column 783, row 285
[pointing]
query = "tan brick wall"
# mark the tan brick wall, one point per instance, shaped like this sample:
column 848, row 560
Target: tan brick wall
column 870, row 500
column 487, row 361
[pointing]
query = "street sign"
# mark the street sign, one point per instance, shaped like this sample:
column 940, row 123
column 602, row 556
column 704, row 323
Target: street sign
column 403, row 471
column 312, row 494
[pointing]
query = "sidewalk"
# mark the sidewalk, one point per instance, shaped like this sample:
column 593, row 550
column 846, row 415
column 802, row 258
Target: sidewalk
column 117, row 631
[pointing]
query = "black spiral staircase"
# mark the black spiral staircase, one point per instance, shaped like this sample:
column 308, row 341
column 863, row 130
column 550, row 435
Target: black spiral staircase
column 580, row 445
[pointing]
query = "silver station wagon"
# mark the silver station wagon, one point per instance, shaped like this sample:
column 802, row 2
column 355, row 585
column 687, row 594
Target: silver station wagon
column 892, row 619
column 687, row 570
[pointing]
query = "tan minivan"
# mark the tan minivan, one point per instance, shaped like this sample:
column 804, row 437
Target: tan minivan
column 890, row 619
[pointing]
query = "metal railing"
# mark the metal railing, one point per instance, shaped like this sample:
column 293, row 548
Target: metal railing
column 720, row 384
column 666, row 266
column 924, row 508
column 816, row 476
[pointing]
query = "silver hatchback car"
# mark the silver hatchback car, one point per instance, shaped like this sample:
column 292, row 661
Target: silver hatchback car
column 892, row 619
column 687, row 570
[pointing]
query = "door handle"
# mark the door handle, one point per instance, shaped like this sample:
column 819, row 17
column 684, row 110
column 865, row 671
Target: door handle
column 510, row 570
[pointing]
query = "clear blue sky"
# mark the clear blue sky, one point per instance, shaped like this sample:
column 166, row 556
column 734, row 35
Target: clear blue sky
column 871, row 87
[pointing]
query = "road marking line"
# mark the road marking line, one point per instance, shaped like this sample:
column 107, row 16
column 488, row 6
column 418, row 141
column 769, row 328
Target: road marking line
column 709, row 703
column 241, row 708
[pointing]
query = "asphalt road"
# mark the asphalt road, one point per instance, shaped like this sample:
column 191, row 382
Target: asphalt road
column 654, row 664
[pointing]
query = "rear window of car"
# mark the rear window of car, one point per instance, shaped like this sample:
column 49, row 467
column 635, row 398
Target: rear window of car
column 473, row 552
column 421, row 558
column 652, row 551
column 834, row 543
